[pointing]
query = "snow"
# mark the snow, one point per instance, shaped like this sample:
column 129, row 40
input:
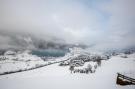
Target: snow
column 57, row 77
column 19, row 61
column 22, row 61
column 9, row 52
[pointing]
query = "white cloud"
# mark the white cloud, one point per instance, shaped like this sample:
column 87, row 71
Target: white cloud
column 120, row 25
column 109, row 23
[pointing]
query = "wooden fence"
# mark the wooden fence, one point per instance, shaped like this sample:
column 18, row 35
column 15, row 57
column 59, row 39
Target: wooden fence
column 124, row 80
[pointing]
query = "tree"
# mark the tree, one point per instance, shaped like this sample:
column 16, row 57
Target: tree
column 71, row 68
column 89, row 67
column 99, row 62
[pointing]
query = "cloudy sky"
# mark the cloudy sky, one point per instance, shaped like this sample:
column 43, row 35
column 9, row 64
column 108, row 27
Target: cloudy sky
column 104, row 23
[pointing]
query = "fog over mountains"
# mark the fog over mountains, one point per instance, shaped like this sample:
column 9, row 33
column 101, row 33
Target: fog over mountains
column 21, row 41
column 31, row 24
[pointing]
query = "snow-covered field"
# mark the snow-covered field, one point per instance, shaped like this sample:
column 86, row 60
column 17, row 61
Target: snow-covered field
column 23, row 61
column 59, row 77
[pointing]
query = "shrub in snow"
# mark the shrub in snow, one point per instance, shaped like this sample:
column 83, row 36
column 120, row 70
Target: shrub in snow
column 124, row 56
column 3, row 58
column 95, row 66
column 87, row 68
column 76, row 62
column 99, row 62
column 64, row 63
column 15, row 59
column 71, row 68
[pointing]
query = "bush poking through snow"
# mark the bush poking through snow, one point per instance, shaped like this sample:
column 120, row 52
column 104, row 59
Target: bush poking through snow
column 87, row 68
column 71, row 68
column 64, row 63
